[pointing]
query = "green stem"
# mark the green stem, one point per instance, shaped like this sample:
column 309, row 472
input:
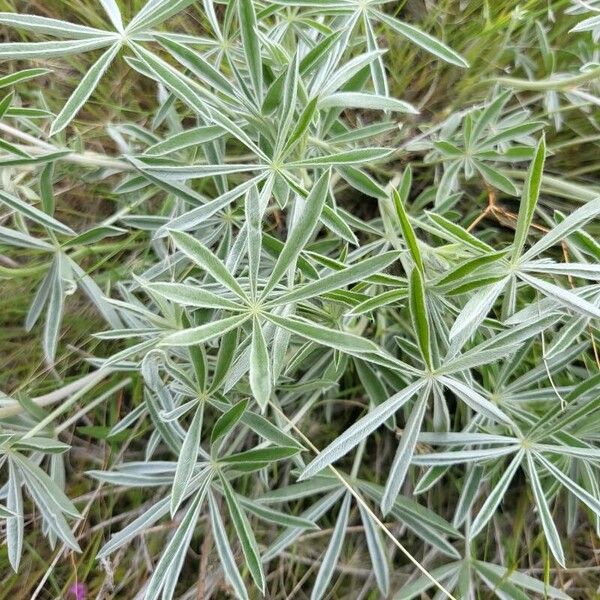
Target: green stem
column 551, row 83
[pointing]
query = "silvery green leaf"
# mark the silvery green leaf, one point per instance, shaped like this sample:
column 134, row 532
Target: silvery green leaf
column 424, row 40
column 34, row 214
column 254, row 238
column 14, row 525
column 301, row 232
column 457, row 234
column 185, row 139
column 573, row 222
column 339, row 279
column 495, row 178
column 197, row 216
column 348, row 157
column 41, row 444
column 271, row 515
column 462, row 456
column 178, row 542
column 191, row 295
column 114, row 14
column 95, row 234
column 207, row 260
column 544, row 514
column 476, row 401
column 583, row 495
column 48, row 26
column 224, row 550
column 377, row 551
column 419, row 315
column 137, row 526
column 154, row 12
column 245, row 536
column 250, row 43
column 347, row 71
column 529, row 198
column 203, row 333
column 495, row 497
column 187, row 460
column 404, row 452
column 5, row 513
column 260, row 366
column 184, row 88
column 41, row 296
column 199, row 171
column 569, row 299
column 334, row 549
column 360, row 430
column 475, row 311
column 28, row 50
column 54, row 314
column 446, row 573
column 366, row 101
column 571, row 269
column 84, row 90
column 522, row 580
column 334, row 338
column 22, row 76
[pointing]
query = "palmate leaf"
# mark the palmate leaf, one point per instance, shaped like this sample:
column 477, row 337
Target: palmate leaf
column 282, row 285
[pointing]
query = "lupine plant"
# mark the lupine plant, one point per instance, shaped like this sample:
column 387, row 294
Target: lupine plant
column 337, row 344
